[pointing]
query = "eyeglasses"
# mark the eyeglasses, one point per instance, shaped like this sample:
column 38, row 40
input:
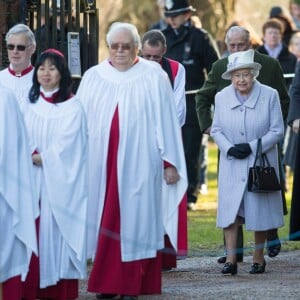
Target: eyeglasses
column 242, row 76
column 121, row 46
column 18, row 47
column 238, row 46
column 154, row 57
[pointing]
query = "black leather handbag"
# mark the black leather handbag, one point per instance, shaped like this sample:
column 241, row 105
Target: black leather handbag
column 262, row 177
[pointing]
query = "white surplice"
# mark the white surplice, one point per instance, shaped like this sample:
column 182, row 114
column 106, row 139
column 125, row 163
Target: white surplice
column 59, row 133
column 149, row 134
column 18, row 199
column 19, row 85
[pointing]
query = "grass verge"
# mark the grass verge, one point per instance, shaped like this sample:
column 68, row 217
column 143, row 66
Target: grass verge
column 205, row 239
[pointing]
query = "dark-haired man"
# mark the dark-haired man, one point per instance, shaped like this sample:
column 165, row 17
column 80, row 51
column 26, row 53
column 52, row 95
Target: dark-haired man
column 153, row 48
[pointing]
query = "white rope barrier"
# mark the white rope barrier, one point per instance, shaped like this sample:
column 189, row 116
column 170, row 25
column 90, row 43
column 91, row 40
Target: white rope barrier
column 289, row 75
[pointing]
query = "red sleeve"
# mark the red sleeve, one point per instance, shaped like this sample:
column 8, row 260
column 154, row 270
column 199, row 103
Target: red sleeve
column 35, row 152
column 167, row 165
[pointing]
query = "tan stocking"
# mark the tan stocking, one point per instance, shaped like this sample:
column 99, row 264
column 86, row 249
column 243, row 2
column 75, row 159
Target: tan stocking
column 230, row 234
column 259, row 238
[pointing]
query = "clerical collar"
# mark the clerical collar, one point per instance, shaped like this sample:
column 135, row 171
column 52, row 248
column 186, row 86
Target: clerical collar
column 49, row 96
column 24, row 72
column 52, row 95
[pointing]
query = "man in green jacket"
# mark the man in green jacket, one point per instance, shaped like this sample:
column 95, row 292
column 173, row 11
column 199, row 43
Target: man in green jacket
column 238, row 39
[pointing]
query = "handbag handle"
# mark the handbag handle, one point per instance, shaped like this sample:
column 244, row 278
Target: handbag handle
column 258, row 153
column 263, row 159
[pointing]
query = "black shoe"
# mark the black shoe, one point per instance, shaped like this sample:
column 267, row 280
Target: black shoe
column 106, row 296
column 257, row 268
column 239, row 258
column 222, row 259
column 229, row 268
column 273, row 243
column 125, row 297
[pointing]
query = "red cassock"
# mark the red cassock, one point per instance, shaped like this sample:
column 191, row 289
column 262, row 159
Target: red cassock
column 109, row 274
column 65, row 289
column 14, row 289
column 169, row 255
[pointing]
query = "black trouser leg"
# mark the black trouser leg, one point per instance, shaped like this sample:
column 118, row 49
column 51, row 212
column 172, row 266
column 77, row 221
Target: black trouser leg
column 240, row 244
column 192, row 136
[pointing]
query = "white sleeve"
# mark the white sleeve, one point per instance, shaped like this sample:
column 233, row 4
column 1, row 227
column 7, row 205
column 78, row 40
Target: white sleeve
column 179, row 93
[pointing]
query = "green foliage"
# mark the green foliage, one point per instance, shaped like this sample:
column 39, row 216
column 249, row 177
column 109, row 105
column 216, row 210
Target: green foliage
column 205, row 239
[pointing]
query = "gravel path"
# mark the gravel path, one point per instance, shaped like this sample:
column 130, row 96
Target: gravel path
column 201, row 278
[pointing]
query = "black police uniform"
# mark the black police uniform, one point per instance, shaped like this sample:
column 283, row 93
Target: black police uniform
column 192, row 47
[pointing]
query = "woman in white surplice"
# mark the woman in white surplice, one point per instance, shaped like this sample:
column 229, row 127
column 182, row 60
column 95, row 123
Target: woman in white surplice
column 58, row 138
column 137, row 172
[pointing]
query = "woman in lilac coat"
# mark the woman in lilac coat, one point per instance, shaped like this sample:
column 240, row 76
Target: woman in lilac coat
column 245, row 111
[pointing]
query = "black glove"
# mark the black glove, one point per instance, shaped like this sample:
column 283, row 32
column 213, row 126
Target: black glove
column 244, row 147
column 240, row 151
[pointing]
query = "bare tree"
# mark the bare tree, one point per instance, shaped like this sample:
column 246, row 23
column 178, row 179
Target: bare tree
column 215, row 15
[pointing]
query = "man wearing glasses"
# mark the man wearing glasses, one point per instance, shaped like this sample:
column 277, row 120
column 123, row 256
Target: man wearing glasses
column 154, row 47
column 17, row 76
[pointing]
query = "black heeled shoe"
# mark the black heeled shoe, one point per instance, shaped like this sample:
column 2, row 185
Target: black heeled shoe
column 273, row 243
column 257, row 268
column 229, row 268
column 222, row 259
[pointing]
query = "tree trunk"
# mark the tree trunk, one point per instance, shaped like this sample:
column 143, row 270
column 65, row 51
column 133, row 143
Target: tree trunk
column 215, row 15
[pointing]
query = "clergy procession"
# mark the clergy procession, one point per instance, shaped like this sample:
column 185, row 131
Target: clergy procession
column 96, row 179
column 74, row 199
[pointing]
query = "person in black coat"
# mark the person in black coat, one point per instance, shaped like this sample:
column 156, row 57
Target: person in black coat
column 289, row 26
column 274, row 46
column 192, row 47
column 294, row 121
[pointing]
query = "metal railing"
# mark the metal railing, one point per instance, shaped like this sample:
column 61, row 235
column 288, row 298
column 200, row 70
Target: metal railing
column 52, row 20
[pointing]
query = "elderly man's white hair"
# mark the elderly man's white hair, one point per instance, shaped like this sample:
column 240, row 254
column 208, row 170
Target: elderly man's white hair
column 21, row 29
column 120, row 26
column 237, row 29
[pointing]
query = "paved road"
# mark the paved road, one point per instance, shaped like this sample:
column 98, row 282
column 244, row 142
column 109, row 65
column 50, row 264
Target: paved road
column 201, row 278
